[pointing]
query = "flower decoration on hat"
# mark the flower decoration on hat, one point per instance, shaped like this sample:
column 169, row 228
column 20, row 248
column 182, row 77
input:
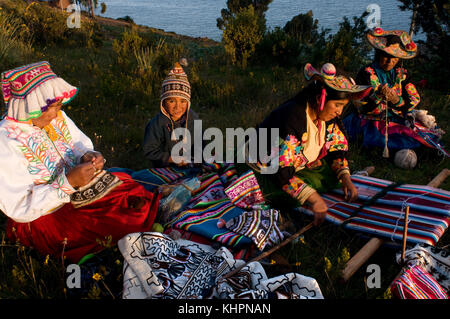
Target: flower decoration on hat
column 378, row 31
column 328, row 76
column 403, row 47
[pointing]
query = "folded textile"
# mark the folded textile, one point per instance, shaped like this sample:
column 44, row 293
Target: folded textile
column 428, row 215
column 259, row 225
column 211, row 189
column 434, row 260
column 156, row 266
column 416, row 283
column 202, row 219
column 245, row 192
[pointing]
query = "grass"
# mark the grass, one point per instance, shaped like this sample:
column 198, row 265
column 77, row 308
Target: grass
column 114, row 104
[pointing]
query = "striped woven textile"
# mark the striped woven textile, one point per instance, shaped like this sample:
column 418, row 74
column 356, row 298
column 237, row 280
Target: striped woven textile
column 208, row 205
column 417, row 283
column 151, row 178
column 428, row 215
column 259, row 225
column 245, row 192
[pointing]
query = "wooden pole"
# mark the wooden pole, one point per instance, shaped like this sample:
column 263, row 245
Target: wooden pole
column 405, row 234
column 440, row 178
column 361, row 257
column 270, row 251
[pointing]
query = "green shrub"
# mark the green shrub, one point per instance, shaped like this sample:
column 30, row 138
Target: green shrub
column 241, row 35
column 15, row 44
column 47, row 26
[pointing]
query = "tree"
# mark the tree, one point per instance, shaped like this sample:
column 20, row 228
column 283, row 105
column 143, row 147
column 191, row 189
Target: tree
column 433, row 18
column 303, row 28
column 347, row 49
column 241, row 34
column 91, row 5
column 234, row 6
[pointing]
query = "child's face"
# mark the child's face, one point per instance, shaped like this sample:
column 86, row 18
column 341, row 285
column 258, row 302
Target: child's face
column 175, row 106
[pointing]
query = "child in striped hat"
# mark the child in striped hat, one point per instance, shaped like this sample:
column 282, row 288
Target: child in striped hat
column 175, row 112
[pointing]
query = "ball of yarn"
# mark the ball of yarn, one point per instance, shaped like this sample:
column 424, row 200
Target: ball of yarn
column 328, row 70
column 406, row 159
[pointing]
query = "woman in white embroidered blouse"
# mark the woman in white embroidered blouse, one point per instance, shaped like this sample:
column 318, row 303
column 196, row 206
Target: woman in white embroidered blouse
column 45, row 159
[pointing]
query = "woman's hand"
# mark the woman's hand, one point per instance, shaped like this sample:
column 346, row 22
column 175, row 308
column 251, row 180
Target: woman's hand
column 389, row 94
column 81, row 174
column 318, row 206
column 96, row 158
column 350, row 191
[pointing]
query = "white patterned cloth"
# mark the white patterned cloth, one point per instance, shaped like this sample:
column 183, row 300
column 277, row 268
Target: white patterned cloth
column 157, row 267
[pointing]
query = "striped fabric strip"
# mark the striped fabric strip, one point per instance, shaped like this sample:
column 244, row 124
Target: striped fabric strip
column 417, row 283
column 429, row 213
column 167, row 175
column 202, row 220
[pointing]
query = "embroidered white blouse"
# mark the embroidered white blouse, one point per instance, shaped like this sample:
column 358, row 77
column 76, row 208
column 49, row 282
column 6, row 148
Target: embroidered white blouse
column 33, row 166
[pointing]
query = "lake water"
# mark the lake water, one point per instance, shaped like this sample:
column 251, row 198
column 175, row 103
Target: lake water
column 197, row 18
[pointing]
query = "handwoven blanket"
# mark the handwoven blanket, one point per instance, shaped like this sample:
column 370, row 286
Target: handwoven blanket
column 245, row 192
column 156, row 266
column 428, row 215
column 208, row 205
column 435, row 261
column 416, row 283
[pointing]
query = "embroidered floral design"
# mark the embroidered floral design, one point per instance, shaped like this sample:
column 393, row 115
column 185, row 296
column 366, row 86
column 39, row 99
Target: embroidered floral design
column 45, row 165
column 291, row 153
column 339, row 164
column 295, row 187
column 335, row 139
column 414, row 96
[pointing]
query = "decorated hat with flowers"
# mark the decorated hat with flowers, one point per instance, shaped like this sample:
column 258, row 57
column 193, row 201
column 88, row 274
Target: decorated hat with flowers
column 328, row 76
column 29, row 90
column 397, row 43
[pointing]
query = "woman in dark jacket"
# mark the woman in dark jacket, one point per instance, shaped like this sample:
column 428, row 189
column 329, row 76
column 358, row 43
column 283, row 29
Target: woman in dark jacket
column 312, row 141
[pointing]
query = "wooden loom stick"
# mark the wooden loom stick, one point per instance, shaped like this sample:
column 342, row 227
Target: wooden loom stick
column 405, row 234
column 361, row 257
column 373, row 244
column 435, row 182
column 440, row 178
column 270, row 251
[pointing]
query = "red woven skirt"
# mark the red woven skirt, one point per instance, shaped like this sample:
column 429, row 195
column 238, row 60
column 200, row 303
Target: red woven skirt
column 88, row 229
